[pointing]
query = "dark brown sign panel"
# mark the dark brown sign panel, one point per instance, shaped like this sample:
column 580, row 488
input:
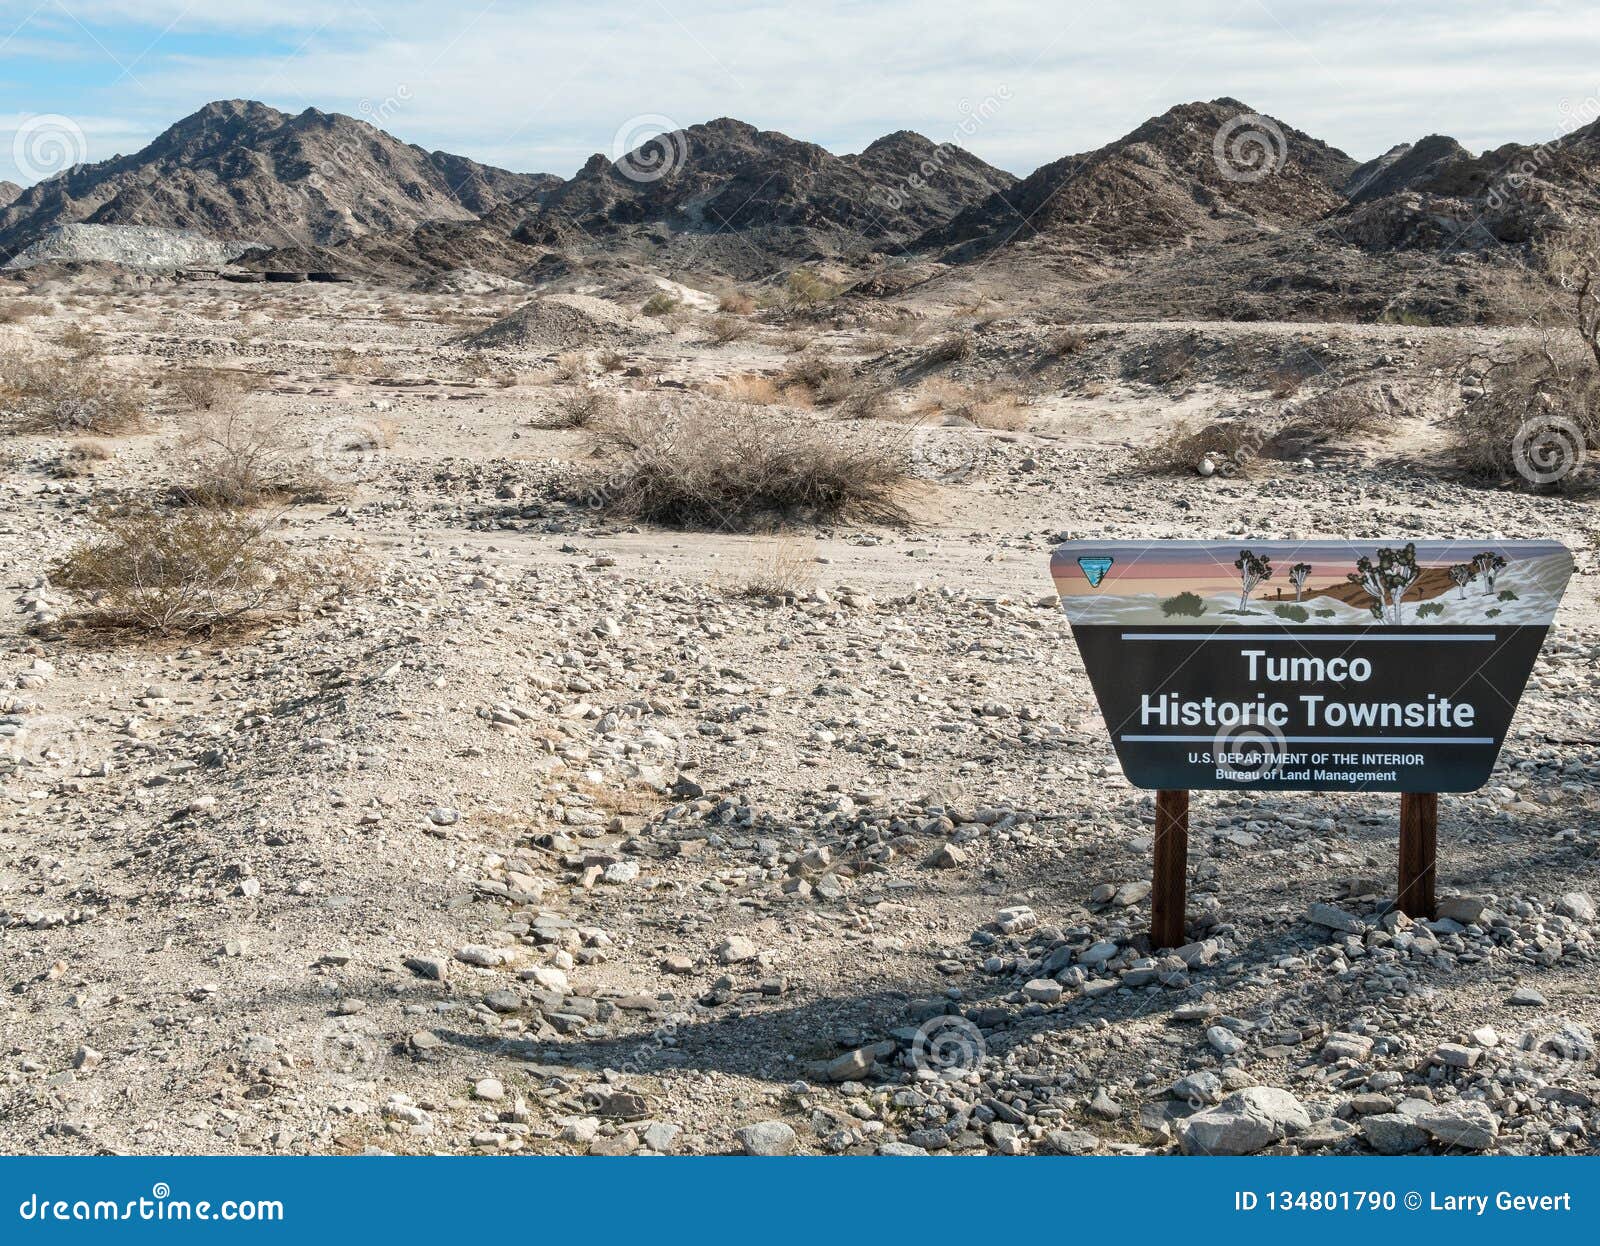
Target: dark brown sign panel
column 1316, row 666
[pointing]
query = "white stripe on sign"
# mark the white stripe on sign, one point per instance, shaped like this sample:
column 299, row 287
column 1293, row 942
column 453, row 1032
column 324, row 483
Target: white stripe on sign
column 1296, row 638
column 1312, row 739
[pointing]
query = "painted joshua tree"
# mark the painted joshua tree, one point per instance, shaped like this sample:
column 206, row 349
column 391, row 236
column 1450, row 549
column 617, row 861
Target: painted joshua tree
column 1488, row 566
column 1461, row 575
column 1388, row 579
column 1298, row 575
column 1254, row 569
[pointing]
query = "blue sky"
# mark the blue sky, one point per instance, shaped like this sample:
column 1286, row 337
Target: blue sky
column 540, row 85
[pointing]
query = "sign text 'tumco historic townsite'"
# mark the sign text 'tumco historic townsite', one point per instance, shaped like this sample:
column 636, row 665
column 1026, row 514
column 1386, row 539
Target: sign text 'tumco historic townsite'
column 1322, row 665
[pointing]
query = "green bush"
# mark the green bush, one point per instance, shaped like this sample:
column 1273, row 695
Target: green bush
column 1187, row 604
column 1295, row 614
column 1429, row 608
column 1506, row 595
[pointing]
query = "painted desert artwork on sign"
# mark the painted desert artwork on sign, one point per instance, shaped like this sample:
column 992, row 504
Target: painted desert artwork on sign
column 1315, row 583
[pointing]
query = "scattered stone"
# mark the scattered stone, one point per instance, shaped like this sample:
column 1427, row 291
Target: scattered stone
column 766, row 1138
column 1392, row 1133
column 1244, row 1123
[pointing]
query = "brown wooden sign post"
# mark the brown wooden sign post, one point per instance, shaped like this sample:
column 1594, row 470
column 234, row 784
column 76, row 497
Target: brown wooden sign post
column 1169, row 885
column 1419, row 854
column 1307, row 666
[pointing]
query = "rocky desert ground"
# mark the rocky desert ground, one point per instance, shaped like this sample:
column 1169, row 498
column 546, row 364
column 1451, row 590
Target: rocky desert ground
column 561, row 832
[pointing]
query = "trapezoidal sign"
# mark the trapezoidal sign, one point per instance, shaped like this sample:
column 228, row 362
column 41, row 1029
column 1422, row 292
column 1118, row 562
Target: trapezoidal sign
column 1387, row 666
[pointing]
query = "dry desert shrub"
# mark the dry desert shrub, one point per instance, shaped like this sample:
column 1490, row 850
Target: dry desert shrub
column 347, row 361
column 814, row 377
column 991, row 407
column 1535, row 418
column 571, row 368
column 581, row 408
column 1533, row 412
column 805, row 287
column 240, row 459
column 749, row 387
column 785, row 570
column 725, row 329
column 609, row 361
column 1067, row 341
column 730, row 466
column 1340, row 415
column 1232, row 447
column 174, row 573
column 659, row 304
column 68, row 396
column 211, row 389
column 736, row 303
column 1170, row 363
column 867, row 401
column 957, row 347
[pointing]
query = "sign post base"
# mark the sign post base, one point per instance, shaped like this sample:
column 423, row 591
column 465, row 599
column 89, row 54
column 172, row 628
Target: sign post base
column 1169, row 883
column 1419, row 854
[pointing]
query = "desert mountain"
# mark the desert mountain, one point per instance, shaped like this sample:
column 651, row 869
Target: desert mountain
column 749, row 198
column 239, row 169
column 1405, row 167
column 1197, row 171
column 8, row 192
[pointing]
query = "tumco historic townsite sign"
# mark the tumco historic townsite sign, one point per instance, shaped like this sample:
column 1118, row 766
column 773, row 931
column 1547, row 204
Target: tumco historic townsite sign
column 1390, row 666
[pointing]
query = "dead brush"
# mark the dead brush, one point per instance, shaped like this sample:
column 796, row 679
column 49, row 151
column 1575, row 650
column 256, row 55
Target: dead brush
column 753, row 388
column 68, row 396
column 1068, row 341
column 784, row 570
column 582, row 408
column 994, row 407
column 723, row 330
column 1536, row 418
column 866, row 401
column 571, row 368
column 210, row 389
column 1338, row 416
column 1170, row 363
column 736, row 303
column 241, row 459
column 814, row 377
column 696, row 467
column 957, row 347
column 162, row 573
column 1232, row 447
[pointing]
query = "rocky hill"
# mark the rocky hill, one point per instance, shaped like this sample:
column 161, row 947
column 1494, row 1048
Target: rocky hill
column 752, row 199
column 1203, row 170
column 240, row 169
column 1405, row 167
column 8, row 192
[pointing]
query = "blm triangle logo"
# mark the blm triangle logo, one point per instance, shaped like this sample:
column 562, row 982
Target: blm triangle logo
column 1094, row 569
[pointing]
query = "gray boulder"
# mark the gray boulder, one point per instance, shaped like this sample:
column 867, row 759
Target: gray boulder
column 1244, row 1123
